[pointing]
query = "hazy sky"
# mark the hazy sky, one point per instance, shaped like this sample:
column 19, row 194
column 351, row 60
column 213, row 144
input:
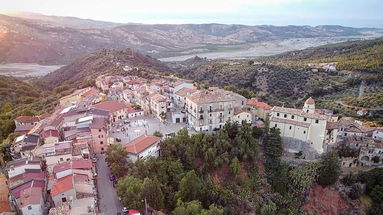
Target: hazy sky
column 358, row 13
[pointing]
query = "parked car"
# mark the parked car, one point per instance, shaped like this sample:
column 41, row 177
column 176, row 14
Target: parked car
column 118, row 140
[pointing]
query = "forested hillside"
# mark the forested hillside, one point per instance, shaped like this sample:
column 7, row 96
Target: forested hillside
column 223, row 173
column 359, row 55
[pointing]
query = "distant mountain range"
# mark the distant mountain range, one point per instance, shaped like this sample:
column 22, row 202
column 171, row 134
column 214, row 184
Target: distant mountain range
column 35, row 38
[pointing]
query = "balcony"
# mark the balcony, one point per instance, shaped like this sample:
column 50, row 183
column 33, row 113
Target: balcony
column 216, row 110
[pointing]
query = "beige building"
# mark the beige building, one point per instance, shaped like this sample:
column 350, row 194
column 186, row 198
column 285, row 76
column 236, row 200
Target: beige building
column 209, row 109
column 306, row 124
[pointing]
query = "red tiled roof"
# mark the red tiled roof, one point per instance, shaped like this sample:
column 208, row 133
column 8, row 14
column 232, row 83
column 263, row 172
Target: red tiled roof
column 90, row 92
column 75, row 164
column 81, row 164
column 50, row 133
column 62, row 185
column 44, row 116
column 141, row 143
column 185, row 91
column 132, row 110
column 310, row 101
column 111, row 106
column 258, row 103
column 34, row 183
column 31, row 196
column 27, row 119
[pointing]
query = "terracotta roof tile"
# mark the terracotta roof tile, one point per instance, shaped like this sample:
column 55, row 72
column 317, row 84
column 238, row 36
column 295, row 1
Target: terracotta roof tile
column 258, row 103
column 27, row 119
column 111, row 106
column 62, row 185
column 310, row 101
column 141, row 143
column 31, row 196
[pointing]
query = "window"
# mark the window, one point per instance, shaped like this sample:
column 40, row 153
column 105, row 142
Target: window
column 275, row 125
column 292, row 116
column 29, row 207
column 285, row 116
column 305, row 119
column 99, row 130
column 61, row 159
column 290, row 127
column 316, row 121
column 101, row 142
column 304, row 132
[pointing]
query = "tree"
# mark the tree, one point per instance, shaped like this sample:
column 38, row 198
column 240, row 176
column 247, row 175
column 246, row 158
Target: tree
column 376, row 159
column 158, row 134
column 330, row 169
column 151, row 190
column 235, row 166
column 188, row 208
column 257, row 132
column 270, row 208
column 377, row 194
column 6, row 108
column 356, row 191
column 273, row 144
column 116, row 157
column 129, row 189
column 189, row 187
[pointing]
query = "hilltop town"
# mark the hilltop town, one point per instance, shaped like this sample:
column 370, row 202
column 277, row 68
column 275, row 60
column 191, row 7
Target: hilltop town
column 59, row 160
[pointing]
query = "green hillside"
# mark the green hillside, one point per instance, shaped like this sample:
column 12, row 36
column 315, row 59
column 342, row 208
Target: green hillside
column 358, row 56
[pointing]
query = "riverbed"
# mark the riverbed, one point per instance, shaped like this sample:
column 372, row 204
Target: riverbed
column 27, row 69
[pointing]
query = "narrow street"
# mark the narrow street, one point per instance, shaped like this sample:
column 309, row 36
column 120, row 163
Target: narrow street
column 109, row 204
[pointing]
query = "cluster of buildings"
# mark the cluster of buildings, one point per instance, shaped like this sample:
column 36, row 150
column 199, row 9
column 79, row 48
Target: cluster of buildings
column 319, row 130
column 52, row 165
column 53, row 168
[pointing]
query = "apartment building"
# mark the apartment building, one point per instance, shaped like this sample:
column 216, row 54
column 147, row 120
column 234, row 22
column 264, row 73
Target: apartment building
column 209, row 109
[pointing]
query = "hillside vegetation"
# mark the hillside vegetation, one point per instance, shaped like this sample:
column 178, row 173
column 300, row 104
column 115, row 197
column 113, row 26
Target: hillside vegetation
column 111, row 62
column 221, row 173
column 356, row 56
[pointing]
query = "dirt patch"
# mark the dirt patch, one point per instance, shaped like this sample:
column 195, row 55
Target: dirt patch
column 326, row 201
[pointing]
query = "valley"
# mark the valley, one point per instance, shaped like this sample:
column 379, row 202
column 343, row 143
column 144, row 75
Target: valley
column 251, row 50
column 27, row 70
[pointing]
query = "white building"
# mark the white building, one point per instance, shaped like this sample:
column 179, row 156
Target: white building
column 378, row 133
column 301, row 124
column 209, row 109
column 143, row 147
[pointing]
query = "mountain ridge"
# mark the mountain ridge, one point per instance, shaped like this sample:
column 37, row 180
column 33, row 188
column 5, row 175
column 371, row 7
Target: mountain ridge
column 25, row 40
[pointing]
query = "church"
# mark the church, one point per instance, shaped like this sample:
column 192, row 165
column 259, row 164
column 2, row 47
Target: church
column 306, row 125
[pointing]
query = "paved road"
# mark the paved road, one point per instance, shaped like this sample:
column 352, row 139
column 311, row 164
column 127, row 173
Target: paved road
column 350, row 106
column 109, row 203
